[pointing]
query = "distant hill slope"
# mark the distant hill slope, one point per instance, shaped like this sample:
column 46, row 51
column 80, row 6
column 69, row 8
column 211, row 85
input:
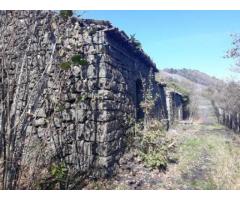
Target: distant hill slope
column 195, row 84
column 195, row 76
column 180, row 81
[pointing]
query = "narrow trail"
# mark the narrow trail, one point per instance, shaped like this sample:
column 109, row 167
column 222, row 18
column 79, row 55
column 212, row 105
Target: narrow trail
column 208, row 158
column 207, row 154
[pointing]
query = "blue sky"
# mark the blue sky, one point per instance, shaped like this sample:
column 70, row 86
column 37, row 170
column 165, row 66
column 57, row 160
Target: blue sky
column 180, row 39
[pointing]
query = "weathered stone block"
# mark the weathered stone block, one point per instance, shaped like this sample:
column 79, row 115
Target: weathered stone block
column 39, row 122
column 108, row 148
column 66, row 117
column 110, row 136
column 40, row 113
column 107, row 105
column 56, row 122
column 41, row 132
column 103, row 115
column 85, row 148
column 30, row 130
column 76, row 71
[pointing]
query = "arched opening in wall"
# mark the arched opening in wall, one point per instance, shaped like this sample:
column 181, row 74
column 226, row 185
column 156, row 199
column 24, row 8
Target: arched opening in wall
column 139, row 99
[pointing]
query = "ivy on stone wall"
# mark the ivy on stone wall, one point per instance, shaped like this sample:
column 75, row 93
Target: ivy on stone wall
column 76, row 60
column 65, row 14
column 65, row 65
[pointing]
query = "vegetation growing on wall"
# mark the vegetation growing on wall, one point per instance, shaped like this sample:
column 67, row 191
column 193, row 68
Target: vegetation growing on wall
column 65, row 65
column 75, row 60
column 148, row 104
column 137, row 44
column 175, row 86
column 65, row 14
column 78, row 59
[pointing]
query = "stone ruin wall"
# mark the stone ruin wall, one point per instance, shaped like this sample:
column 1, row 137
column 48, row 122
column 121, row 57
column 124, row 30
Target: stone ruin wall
column 176, row 106
column 228, row 119
column 82, row 115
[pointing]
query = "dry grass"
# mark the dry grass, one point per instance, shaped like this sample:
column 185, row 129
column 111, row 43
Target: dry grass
column 226, row 162
column 208, row 159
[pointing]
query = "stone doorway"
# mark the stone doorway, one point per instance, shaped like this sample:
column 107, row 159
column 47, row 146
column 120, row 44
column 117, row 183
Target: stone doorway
column 139, row 99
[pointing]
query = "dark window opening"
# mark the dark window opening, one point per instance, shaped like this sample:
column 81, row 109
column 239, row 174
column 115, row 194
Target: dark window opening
column 139, row 99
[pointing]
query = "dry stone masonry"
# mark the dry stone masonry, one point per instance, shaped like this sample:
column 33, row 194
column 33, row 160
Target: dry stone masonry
column 79, row 113
column 228, row 119
column 177, row 106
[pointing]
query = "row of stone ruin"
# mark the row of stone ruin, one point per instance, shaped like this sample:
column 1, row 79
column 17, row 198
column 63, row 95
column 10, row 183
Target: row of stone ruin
column 81, row 114
column 229, row 119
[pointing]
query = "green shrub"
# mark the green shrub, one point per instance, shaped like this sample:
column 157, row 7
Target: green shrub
column 155, row 159
column 77, row 59
column 155, row 149
column 58, row 172
column 65, row 14
column 151, row 143
column 57, row 179
column 65, row 65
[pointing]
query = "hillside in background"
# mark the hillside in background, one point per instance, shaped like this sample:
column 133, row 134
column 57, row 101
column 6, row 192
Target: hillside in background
column 181, row 82
column 192, row 83
column 196, row 76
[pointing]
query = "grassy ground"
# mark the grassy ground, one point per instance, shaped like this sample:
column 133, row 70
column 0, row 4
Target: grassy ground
column 208, row 159
column 208, row 154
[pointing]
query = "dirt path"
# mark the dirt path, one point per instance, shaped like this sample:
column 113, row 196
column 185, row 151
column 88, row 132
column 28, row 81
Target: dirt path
column 207, row 154
column 208, row 158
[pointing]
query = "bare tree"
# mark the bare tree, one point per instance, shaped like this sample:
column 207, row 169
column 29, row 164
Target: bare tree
column 234, row 52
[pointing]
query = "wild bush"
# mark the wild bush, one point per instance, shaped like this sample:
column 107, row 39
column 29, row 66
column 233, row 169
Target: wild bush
column 56, row 178
column 65, row 65
column 75, row 60
column 155, row 147
column 65, row 14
